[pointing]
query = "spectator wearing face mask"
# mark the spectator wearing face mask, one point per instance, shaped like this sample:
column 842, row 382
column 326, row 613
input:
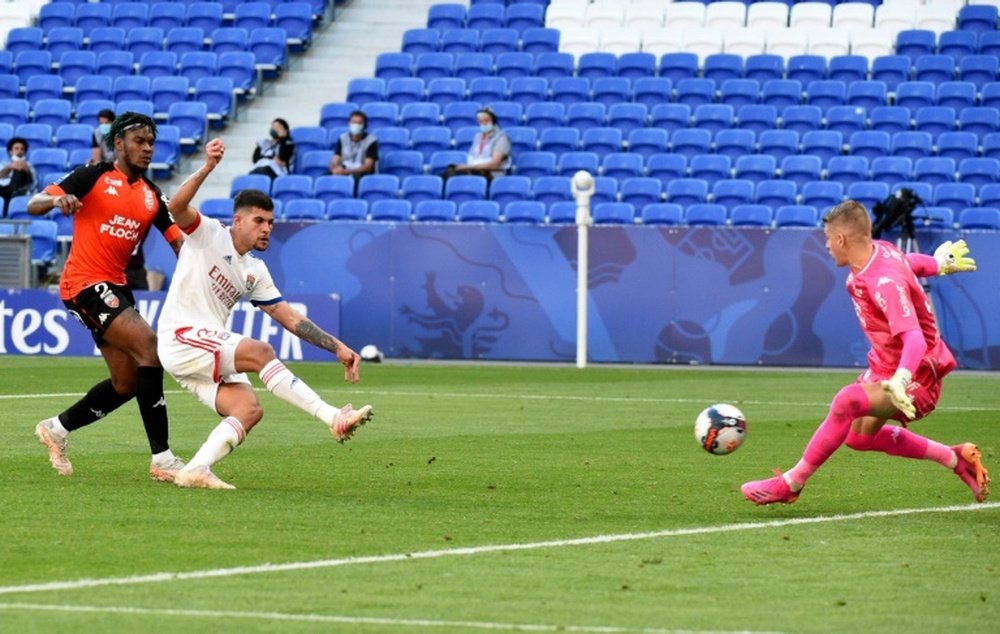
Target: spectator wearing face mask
column 99, row 149
column 489, row 155
column 17, row 176
column 273, row 156
column 356, row 152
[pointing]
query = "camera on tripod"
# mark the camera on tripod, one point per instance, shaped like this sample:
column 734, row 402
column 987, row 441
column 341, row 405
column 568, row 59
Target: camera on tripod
column 896, row 210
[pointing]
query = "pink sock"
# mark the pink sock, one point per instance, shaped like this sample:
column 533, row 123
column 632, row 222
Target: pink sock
column 850, row 402
column 899, row 441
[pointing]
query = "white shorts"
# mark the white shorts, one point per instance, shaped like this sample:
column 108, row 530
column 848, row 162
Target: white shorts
column 200, row 358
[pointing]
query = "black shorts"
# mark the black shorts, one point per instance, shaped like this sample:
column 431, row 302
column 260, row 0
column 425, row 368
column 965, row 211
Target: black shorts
column 97, row 306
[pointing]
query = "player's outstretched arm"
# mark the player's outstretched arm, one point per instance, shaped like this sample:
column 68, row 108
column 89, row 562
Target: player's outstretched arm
column 298, row 324
column 180, row 203
column 952, row 257
column 42, row 203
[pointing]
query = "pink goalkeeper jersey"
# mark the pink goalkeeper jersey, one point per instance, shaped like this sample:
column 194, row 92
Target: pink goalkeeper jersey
column 889, row 300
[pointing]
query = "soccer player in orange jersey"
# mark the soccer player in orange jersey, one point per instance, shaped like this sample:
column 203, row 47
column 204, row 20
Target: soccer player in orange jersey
column 113, row 205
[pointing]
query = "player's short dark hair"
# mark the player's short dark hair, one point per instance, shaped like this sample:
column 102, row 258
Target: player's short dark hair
column 17, row 139
column 850, row 211
column 359, row 113
column 125, row 122
column 247, row 198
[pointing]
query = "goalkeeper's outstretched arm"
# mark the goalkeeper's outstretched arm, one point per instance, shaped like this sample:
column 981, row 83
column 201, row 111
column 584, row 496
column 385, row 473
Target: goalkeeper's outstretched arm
column 950, row 257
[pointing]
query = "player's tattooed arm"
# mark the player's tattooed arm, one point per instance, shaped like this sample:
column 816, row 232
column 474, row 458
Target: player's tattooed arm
column 308, row 331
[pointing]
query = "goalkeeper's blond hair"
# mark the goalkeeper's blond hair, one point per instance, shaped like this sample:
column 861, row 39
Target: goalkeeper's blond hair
column 850, row 216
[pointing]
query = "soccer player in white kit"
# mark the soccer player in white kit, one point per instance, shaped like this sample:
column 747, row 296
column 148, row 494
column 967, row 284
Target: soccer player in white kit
column 215, row 269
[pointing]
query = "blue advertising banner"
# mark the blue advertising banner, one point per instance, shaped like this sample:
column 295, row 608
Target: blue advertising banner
column 657, row 294
column 35, row 322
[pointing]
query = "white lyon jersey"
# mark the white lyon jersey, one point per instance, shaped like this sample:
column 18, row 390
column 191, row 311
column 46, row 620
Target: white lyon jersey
column 210, row 278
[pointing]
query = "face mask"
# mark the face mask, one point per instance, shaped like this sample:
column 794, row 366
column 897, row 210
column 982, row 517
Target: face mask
column 486, row 127
column 104, row 128
column 356, row 128
column 274, row 133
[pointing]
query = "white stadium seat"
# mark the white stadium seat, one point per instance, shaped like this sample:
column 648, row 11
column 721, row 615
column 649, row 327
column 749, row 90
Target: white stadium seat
column 685, row 15
column 662, row 41
column 767, row 15
column 620, row 40
column 565, row 15
column 605, row 15
column 873, row 43
column 895, row 17
column 829, row 42
column 853, row 15
column 810, row 15
column 745, row 42
column 644, row 15
column 580, row 40
column 726, row 15
column 703, row 42
column 936, row 17
column 787, row 42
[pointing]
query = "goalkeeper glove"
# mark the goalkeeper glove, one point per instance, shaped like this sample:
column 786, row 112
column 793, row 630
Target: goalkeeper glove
column 951, row 258
column 895, row 389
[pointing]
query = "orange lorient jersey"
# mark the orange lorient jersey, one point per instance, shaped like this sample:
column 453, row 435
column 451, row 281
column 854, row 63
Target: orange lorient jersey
column 114, row 218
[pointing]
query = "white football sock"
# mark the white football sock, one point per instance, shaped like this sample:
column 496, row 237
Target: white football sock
column 57, row 429
column 280, row 381
column 164, row 458
column 226, row 436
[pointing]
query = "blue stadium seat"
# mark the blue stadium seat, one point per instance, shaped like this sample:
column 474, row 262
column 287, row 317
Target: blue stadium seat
column 867, row 193
column 708, row 215
column 957, row 44
column 640, row 192
column 652, row 91
column 166, row 150
column 934, row 68
column 912, row 145
column 989, row 43
column 562, row 213
column 869, row 144
column 303, row 209
column 801, row 119
column 734, row 143
column 690, row 142
column 329, row 187
column 525, row 211
column 867, row 94
column 291, row 186
column 826, row 93
column 43, row 87
column 378, row 187
column 108, row 39
column 935, row 120
column 848, row 69
column 627, row 116
column 915, row 42
column 605, row 191
column 295, row 18
column 380, row 114
column 954, row 196
column 666, row 214
column 845, row 120
column 602, row 141
column 446, row 16
column 444, row 90
column 934, row 218
column 46, row 159
column 90, row 16
column 979, row 121
column 228, row 40
column 958, row 145
column 25, row 38
column 86, row 112
column 796, row 216
column 365, row 90
column 567, row 90
column 191, row 118
column 722, row 66
column 131, row 87
column 695, row 91
column 670, row 116
column 429, row 66
column 63, row 39
column 636, row 65
column 14, row 111
column 554, row 65
column 757, row 118
column 610, row 90
column 310, row 138
column 158, row 64
column 764, row 67
column 801, row 169
column 528, row 90
column 677, row 66
column 781, row 93
column 614, row 214
column 459, row 189
column 714, row 117
column 731, row 193
column 184, row 39
column 53, row 112
column 252, row 15
column 979, row 171
column 559, row 140
column 498, row 41
column 596, row 64
column 470, row 65
column 485, row 16
column 648, row 141
column 355, row 210
column 956, row 94
column 206, row 16
column 218, row 208
column 426, row 140
column 435, row 211
column 392, row 65
column 129, row 15
column 979, row 218
column 402, row 163
column 892, row 69
column 978, row 69
column 775, row 193
column 165, row 91
column 28, row 64
column 847, row 169
column 977, row 18
column 540, row 40
column 10, row 87
column 990, row 95
column 249, row 181
column 891, row 119
column 891, row 169
column 755, row 168
column 510, row 65
column 989, row 195
column 315, row 163
column 991, row 146
column 822, row 195
column 488, row 89
column 522, row 139
column 750, row 216
column 404, row 90
column 74, row 136
column 710, row 167
column 144, row 40
column 666, row 167
column 417, row 41
column 43, row 241
column 824, row 144
column 552, row 189
column 806, row 68
column 416, row 115
column 197, row 65
column 269, row 48
column 422, row 187
column 524, row 16
column 55, row 14
column 544, row 115
column 915, row 94
column 688, row 191
column 507, row 189
column 739, row 92
column 479, row 211
column 509, row 114
column 570, row 163
column 621, row 165
column 76, row 64
column 778, row 143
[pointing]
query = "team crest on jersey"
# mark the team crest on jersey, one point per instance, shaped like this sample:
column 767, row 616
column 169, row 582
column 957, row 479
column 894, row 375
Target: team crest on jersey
column 251, row 280
column 149, row 199
column 110, row 300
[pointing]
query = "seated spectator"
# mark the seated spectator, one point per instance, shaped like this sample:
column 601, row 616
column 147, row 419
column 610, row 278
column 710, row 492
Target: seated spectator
column 99, row 150
column 17, row 176
column 356, row 152
column 273, row 156
column 489, row 155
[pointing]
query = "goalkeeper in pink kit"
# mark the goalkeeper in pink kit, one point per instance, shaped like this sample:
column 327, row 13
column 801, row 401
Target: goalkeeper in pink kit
column 906, row 363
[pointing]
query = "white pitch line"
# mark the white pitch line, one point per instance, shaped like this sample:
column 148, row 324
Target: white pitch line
column 525, row 397
column 356, row 620
column 157, row 577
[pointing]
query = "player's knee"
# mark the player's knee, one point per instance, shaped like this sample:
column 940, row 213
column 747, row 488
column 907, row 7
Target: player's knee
column 850, row 402
column 250, row 414
column 860, row 442
column 144, row 351
column 124, row 385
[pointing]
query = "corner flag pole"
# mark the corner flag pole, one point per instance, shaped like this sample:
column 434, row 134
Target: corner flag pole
column 583, row 189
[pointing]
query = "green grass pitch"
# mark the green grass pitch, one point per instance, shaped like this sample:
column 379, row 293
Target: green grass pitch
column 494, row 498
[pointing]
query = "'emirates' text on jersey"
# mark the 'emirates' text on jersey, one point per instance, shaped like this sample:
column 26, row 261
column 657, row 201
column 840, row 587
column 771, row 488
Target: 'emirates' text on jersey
column 211, row 277
column 889, row 300
column 114, row 217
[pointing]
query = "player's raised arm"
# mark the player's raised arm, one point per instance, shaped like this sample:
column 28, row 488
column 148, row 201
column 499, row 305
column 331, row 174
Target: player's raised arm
column 295, row 322
column 950, row 257
column 180, row 203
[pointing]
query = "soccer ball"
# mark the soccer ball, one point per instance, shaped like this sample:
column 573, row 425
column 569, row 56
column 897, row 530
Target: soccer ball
column 720, row 429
